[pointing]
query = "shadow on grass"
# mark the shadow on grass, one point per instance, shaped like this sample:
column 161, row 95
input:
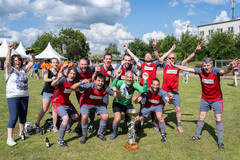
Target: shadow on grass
column 206, row 127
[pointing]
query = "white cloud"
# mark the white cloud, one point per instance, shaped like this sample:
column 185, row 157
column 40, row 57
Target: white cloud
column 81, row 14
column 100, row 35
column 222, row 17
column 190, row 12
column 17, row 16
column 182, row 26
column 165, row 25
column 153, row 35
column 173, row 3
column 206, row 1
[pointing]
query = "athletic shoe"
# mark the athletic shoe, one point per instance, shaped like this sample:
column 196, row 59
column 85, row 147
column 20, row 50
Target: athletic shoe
column 62, row 143
column 183, row 81
column 78, row 130
column 102, row 137
column 164, row 138
column 157, row 128
column 194, row 138
column 83, row 139
column 180, row 130
column 55, row 129
column 11, row 142
column 220, row 145
column 26, row 134
column 113, row 136
column 154, row 123
column 70, row 131
column 90, row 128
column 186, row 82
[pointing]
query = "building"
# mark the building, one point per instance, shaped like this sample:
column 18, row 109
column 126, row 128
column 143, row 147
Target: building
column 232, row 26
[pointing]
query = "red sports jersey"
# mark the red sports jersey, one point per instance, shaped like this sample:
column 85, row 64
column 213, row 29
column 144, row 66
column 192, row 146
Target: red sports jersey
column 82, row 76
column 122, row 77
column 107, row 80
column 170, row 78
column 61, row 94
column 152, row 72
column 210, row 87
column 153, row 99
column 93, row 96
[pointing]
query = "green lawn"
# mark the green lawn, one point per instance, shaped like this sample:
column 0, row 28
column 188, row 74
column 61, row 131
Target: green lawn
column 177, row 145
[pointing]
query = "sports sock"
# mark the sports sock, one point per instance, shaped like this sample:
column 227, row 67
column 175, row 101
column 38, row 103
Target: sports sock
column 219, row 126
column 91, row 116
column 102, row 125
column 162, row 127
column 84, row 128
column 79, row 125
column 61, row 132
column 200, row 125
column 70, row 123
column 178, row 124
column 115, row 128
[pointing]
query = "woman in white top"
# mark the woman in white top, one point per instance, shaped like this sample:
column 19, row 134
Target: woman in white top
column 16, row 92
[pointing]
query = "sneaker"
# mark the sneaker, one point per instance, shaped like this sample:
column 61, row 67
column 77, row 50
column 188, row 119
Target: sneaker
column 183, row 81
column 194, row 138
column 62, row 143
column 102, row 137
column 90, row 128
column 26, row 134
column 55, row 129
column 180, row 130
column 220, row 145
column 157, row 128
column 78, row 130
column 83, row 140
column 11, row 142
column 186, row 82
column 164, row 138
column 70, row 131
column 113, row 136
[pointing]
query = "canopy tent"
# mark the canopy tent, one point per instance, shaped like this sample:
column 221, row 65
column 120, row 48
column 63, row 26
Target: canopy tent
column 49, row 53
column 4, row 50
column 20, row 49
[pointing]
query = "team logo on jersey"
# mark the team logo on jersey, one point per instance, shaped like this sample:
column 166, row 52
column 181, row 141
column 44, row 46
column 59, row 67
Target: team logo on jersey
column 95, row 97
column 170, row 71
column 153, row 101
column 126, row 96
column 107, row 78
column 67, row 91
column 208, row 81
column 148, row 68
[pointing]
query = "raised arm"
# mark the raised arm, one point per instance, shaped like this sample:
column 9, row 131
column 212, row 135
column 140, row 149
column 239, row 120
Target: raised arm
column 117, row 93
column 143, row 88
column 76, row 86
column 228, row 69
column 198, row 48
column 184, row 68
column 31, row 63
column 55, row 82
column 8, row 59
column 160, row 59
column 130, row 53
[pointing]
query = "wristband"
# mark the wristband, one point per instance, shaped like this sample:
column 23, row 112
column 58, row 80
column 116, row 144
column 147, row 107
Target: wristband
column 173, row 65
column 155, row 49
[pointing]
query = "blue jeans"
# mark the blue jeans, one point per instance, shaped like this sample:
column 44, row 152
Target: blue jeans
column 18, row 107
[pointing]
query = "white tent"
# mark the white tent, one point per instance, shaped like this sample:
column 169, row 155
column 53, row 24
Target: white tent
column 49, row 53
column 20, row 49
column 4, row 50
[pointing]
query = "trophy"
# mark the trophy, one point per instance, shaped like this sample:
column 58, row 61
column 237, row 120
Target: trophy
column 131, row 145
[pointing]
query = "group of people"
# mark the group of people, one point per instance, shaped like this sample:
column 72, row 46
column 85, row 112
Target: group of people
column 91, row 85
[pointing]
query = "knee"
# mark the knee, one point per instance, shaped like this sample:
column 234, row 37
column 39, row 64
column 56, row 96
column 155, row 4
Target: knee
column 117, row 118
column 65, row 118
column 178, row 110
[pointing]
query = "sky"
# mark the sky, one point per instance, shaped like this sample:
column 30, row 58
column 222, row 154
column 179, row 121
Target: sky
column 109, row 21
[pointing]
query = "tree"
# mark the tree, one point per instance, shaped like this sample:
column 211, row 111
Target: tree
column 138, row 47
column 221, row 45
column 77, row 47
column 15, row 45
column 167, row 43
column 112, row 49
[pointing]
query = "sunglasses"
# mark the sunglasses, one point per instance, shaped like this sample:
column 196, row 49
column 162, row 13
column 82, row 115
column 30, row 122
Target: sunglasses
column 171, row 58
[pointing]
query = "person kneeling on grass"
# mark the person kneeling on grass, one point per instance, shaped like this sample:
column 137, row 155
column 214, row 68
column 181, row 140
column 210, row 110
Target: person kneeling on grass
column 62, row 103
column 93, row 99
column 211, row 94
column 127, row 88
column 154, row 100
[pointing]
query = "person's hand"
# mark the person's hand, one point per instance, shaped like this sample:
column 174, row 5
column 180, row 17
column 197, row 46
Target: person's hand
column 234, row 63
column 122, row 62
column 97, row 68
column 60, row 75
column 145, row 76
column 125, row 46
column 10, row 46
column 65, row 66
column 85, row 81
column 109, row 73
column 154, row 44
column 118, row 73
column 170, row 63
column 198, row 47
column 139, row 65
column 135, row 99
column 173, row 47
column 114, row 89
column 53, row 78
column 170, row 95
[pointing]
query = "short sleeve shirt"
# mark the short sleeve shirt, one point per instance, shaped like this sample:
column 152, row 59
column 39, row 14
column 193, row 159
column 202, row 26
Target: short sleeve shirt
column 124, row 70
column 152, row 99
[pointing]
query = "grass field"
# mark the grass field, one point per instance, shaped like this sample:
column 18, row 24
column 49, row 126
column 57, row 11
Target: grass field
column 177, row 145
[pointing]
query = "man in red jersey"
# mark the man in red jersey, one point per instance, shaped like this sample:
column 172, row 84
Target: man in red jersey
column 171, row 79
column 211, row 94
column 93, row 98
column 62, row 103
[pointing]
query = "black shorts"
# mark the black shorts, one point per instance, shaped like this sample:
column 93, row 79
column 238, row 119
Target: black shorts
column 36, row 71
column 117, row 107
